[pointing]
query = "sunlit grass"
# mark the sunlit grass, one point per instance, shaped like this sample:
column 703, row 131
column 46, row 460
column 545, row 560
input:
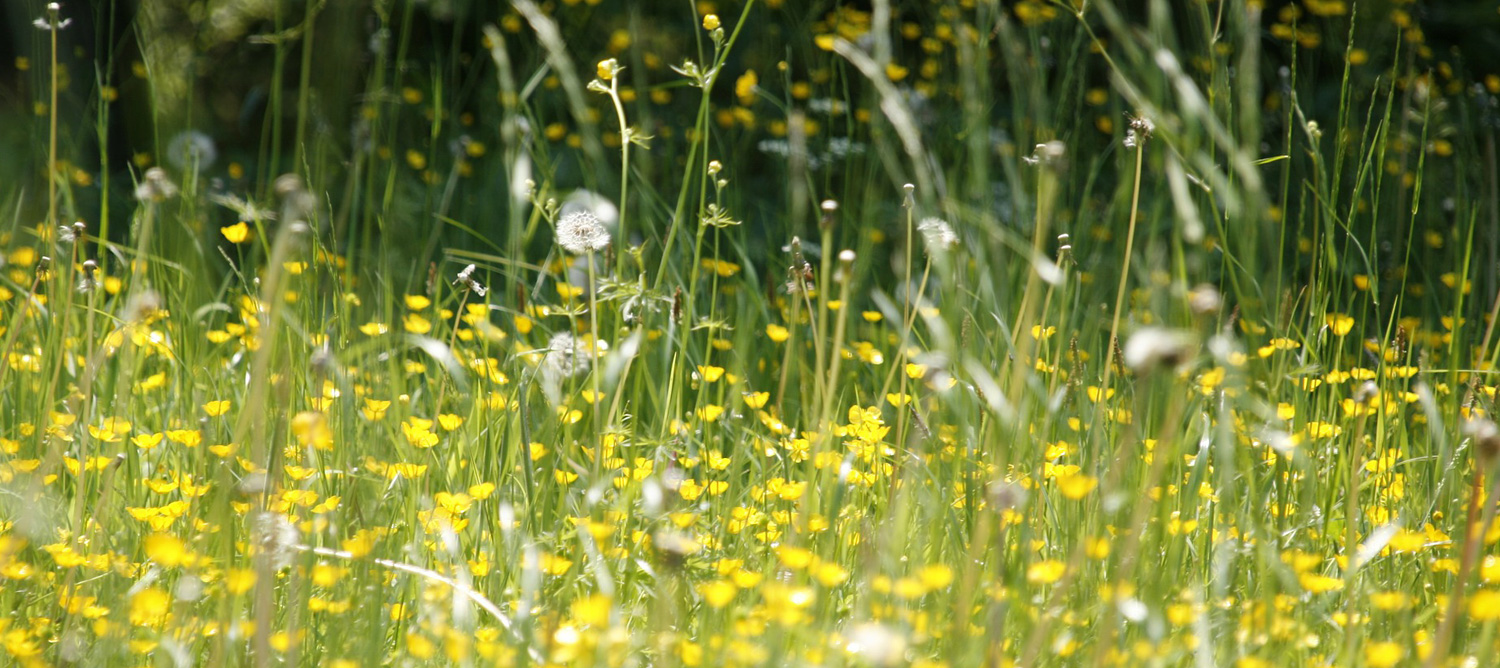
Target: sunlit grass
column 944, row 335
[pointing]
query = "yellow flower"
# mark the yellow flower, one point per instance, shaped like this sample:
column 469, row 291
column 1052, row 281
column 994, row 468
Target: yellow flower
column 155, row 381
column 223, row 451
column 236, row 233
column 1484, row 605
column 419, row 433
column 744, row 87
column 359, row 544
column 555, row 565
column 1076, row 486
column 1339, row 323
column 111, row 430
column 149, row 607
column 1407, row 541
column 168, row 550
column 795, row 558
column 691, row 653
column 1384, row 654
column 239, row 580
column 1098, row 548
column 1319, row 584
column 718, row 593
column 791, row 491
column 1046, row 572
column 1390, row 600
column 147, row 441
column 711, row 22
column 1323, row 430
column 374, row 409
column 216, row 408
column 1327, row 7
column 608, row 68
column 592, row 610
column 757, row 399
column 830, row 574
column 777, row 333
column 416, row 324
column 327, row 575
column 710, row 412
column 909, row 588
column 936, row 576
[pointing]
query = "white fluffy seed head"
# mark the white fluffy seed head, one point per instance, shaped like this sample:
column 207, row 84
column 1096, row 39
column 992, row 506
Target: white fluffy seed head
column 276, row 537
column 566, row 356
column 580, row 232
column 938, row 234
column 1152, row 348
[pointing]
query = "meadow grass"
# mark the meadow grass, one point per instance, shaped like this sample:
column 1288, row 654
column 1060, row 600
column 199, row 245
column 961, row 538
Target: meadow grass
column 751, row 333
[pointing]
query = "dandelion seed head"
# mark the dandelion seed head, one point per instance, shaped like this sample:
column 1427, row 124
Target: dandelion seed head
column 1005, row 495
column 590, row 202
column 1156, row 347
column 1052, row 154
column 1486, row 437
column 297, row 203
column 155, row 186
column 276, row 538
column 1205, row 299
column 878, row 644
column 88, row 281
column 580, row 232
column 192, row 151
column 142, row 306
column 465, row 279
column 51, row 21
column 565, row 356
column 937, row 234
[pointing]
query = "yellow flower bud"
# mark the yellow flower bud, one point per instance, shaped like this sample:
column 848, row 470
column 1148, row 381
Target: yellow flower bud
column 711, row 22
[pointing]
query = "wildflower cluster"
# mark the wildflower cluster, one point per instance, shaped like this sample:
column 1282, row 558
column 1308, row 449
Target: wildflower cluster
column 497, row 378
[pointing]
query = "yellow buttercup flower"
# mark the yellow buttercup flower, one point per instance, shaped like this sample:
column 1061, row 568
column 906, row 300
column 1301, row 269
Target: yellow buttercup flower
column 236, row 233
column 608, row 68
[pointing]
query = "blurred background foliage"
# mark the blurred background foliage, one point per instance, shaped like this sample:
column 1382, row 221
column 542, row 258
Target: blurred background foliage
column 360, row 95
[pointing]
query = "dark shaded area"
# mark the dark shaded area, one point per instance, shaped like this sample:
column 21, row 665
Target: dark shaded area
column 232, row 84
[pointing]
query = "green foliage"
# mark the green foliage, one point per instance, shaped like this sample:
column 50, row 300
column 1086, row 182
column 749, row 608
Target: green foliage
column 747, row 333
